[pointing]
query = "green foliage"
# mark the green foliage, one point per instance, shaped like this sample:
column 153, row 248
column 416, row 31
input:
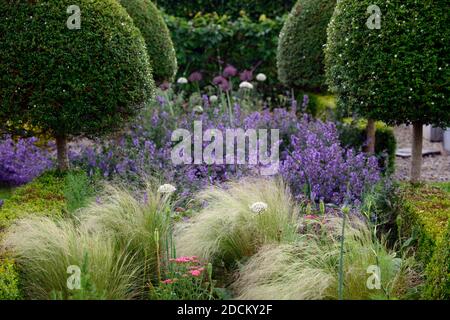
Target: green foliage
column 5, row 193
column 443, row 185
column 352, row 134
column 300, row 49
column 9, row 280
column 42, row 197
column 160, row 48
column 234, row 8
column 205, row 40
column 398, row 73
column 425, row 222
column 53, row 195
column 438, row 271
column 78, row 189
column 71, row 82
column 382, row 204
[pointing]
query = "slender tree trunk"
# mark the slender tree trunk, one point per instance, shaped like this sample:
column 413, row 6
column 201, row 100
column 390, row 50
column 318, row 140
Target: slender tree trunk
column 63, row 159
column 416, row 165
column 371, row 131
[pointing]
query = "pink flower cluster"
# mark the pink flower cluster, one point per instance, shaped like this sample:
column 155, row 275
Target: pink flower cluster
column 192, row 259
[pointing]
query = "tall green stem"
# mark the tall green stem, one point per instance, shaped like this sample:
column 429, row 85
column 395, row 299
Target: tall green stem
column 341, row 259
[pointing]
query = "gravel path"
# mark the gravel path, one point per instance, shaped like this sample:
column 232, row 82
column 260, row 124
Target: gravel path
column 434, row 168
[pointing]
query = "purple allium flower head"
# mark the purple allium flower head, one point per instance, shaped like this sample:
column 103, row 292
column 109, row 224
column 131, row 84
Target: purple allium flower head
column 195, row 77
column 246, row 75
column 229, row 71
column 222, row 82
column 1, row 203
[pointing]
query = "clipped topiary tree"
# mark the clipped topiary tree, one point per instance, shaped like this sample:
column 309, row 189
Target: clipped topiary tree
column 391, row 62
column 70, row 71
column 149, row 20
column 300, row 49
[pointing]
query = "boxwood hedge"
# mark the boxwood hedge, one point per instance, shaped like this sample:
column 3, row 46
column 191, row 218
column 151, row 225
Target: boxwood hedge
column 425, row 219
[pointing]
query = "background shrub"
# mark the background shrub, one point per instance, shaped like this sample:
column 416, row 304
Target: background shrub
column 71, row 82
column 234, row 8
column 208, row 42
column 352, row 134
column 160, row 48
column 300, row 49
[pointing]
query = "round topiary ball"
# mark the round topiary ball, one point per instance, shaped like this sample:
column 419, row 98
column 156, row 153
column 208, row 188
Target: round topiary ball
column 149, row 20
column 300, row 49
column 391, row 62
column 68, row 79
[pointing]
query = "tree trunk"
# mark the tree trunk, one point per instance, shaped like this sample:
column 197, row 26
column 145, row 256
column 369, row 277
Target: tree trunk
column 370, row 130
column 416, row 165
column 63, row 159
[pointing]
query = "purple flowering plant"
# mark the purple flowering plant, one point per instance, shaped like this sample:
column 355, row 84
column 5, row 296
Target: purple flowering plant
column 312, row 159
column 21, row 160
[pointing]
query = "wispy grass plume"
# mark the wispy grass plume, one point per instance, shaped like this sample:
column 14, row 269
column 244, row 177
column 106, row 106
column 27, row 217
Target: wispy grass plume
column 232, row 227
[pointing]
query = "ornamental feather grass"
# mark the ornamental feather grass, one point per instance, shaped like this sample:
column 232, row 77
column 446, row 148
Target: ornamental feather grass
column 308, row 269
column 227, row 230
column 131, row 223
column 44, row 249
column 112, row 241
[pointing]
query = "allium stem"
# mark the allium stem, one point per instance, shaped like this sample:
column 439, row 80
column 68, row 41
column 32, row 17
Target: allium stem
column 341, row 260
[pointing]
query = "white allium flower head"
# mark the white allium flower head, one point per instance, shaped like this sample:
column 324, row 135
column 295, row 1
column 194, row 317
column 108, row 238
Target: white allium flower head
column 258, row 207
column 198, row 109
column 182, row 80
column 261, row 77
column 166, row 188
column 213, row 98
column 246, row 85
